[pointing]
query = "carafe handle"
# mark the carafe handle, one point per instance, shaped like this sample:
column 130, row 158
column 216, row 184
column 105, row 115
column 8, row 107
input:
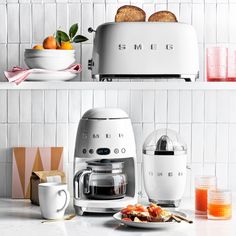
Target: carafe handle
column 79, row 183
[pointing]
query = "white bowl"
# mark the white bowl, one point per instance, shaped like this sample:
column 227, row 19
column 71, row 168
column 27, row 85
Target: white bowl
column 48, row 52
column 49, row 59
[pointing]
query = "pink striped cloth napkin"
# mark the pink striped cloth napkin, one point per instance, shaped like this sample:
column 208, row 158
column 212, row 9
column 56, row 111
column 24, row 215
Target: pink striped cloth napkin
column 18, row 74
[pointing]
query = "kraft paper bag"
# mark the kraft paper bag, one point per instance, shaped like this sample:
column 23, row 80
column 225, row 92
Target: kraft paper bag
column 38, row 177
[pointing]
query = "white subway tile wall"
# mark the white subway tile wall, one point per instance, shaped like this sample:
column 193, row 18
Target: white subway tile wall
column 206, row 119
column 50, row 118
column 24, row 23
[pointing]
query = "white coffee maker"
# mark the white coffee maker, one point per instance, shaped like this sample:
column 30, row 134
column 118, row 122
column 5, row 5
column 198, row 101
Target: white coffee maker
column 105, row 168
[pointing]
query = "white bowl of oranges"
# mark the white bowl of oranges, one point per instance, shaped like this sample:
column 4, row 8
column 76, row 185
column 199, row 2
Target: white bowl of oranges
column 49, row 59
column 56, row 53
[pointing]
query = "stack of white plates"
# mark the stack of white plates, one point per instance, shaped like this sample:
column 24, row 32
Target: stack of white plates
column 53, row 61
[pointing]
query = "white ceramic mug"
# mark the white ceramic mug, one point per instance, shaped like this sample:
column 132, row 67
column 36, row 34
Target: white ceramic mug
column 53, row 200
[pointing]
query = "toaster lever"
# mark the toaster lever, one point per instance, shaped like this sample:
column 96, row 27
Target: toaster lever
column 90, row 64
column 91, row 30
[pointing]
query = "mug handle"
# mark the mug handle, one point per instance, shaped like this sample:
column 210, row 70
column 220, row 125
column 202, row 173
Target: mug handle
column 66, row 200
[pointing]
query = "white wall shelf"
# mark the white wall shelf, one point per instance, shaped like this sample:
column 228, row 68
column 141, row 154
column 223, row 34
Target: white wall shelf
column 121, row 85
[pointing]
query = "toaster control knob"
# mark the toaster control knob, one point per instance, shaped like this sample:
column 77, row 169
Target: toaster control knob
column 91, row 30
column 90, row 64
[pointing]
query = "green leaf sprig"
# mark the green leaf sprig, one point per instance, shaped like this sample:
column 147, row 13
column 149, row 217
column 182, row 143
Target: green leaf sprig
column 62, row 36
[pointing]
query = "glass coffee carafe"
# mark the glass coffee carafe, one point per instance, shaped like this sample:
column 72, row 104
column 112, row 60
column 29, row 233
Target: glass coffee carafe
column 102, row 180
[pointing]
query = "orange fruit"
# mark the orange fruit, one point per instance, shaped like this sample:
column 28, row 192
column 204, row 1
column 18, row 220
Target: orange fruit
column 50, row 43
column 38, row 47
column 66, row 46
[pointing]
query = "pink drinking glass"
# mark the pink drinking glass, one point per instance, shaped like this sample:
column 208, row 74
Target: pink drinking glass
column 231, row 65
column 216, row 58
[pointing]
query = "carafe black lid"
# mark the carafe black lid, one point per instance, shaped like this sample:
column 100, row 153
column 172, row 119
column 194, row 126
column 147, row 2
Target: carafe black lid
column 105, row 164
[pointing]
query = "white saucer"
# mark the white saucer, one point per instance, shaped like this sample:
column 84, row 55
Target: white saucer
column 55, row 76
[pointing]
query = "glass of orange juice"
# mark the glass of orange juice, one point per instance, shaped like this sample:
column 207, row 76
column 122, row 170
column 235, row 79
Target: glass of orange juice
column 203, row 183
column 219, row 204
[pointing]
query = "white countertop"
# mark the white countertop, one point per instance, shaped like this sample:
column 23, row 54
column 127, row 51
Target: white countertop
column 19, row 217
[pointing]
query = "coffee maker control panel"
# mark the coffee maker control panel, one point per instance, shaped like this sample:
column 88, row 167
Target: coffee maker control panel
column 105, row 138
column 103, row 151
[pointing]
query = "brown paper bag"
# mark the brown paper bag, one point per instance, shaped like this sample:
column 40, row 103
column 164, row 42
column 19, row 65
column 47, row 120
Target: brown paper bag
column 38, row 177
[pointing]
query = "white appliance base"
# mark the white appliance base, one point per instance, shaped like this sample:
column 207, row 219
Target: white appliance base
column 102, row 206
column 166, row 203
column 128, row 77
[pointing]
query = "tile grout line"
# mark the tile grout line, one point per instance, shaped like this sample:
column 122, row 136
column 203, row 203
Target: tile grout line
column 191, row 158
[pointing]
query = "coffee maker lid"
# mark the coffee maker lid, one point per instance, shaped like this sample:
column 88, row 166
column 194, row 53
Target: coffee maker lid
column 164, row 142
column 105, row 113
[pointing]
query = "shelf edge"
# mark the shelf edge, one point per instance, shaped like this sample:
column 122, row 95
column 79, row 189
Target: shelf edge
column 120, row 86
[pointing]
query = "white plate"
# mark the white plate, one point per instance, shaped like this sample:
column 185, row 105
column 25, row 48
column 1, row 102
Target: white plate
column 56, row 76
column 152, row 225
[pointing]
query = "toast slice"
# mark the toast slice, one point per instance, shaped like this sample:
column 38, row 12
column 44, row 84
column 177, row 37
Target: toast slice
column 129, row 13
column 143, row 217
column 162, row 16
